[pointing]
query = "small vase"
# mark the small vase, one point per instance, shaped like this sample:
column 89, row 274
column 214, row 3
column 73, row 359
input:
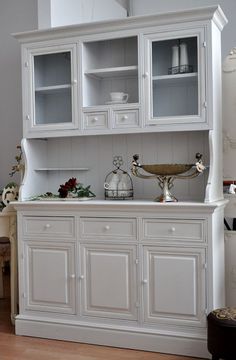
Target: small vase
column 175, row 56
column 183, row 57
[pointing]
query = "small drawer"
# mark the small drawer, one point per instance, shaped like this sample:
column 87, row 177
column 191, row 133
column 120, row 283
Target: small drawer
column 48, row 226
column 180, row 230
column 102, row 228
column 96, row 121
column 126, row 118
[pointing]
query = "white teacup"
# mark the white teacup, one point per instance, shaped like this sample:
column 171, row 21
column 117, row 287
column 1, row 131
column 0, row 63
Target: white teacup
column 119, row 96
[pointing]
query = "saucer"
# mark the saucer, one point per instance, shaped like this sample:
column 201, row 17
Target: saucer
column 116, row 102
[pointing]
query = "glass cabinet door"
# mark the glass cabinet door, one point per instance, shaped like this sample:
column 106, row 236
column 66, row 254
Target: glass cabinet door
column 53, row 83
column 174, row 69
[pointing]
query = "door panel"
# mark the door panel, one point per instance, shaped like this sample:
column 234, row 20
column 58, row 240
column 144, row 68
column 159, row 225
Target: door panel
column 174, row 285
column 50, row 284
column 110, row 282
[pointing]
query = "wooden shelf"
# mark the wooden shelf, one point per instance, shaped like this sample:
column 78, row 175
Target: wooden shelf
column 61, row 169
column 175, row 78
column 52, row 89
column 113, row 71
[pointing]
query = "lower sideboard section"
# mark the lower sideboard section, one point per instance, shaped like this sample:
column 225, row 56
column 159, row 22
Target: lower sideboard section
column 136, row 275
column 173, row 342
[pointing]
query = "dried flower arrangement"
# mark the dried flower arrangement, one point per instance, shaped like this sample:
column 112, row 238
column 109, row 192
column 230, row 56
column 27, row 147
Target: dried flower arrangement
column 19, row 166
column 73, row 188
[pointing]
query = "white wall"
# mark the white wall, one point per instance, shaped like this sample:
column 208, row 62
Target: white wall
column 75, row 12
column 123, row 3
column 44, row 14
column 141, row 7
column 15, row 16
column 68, row 12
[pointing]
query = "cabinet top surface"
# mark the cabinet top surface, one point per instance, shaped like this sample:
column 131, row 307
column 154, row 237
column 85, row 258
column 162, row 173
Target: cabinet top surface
column 214, row 13
column 119, row 205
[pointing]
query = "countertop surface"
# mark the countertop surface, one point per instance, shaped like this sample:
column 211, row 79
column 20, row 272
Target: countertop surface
column 136, row 204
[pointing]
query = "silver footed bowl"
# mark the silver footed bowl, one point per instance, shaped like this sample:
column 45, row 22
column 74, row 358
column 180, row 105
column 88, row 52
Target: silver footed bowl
column 167, row 173
column 167, row 169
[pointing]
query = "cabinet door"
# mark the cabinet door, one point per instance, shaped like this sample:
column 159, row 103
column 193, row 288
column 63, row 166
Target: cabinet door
column 109, row 284
column 174, row 79
column 174, row 285
column 49, row 277
column 50, row 96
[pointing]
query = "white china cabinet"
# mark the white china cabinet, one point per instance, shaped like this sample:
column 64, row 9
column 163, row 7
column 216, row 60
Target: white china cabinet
column 133, row 273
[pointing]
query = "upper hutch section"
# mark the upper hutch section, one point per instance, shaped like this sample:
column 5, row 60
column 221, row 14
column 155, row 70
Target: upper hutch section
column 137, row 76
column 158, row 66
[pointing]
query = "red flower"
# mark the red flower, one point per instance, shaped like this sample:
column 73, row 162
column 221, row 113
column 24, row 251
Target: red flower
column 70, row 185
column 63, row 191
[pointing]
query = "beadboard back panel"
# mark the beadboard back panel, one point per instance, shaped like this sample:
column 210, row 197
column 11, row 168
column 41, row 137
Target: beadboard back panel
column 50, row 162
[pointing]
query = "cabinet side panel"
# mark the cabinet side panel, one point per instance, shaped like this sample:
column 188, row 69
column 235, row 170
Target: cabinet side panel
column 214, row 190
column 35, row 153
column 216, row 284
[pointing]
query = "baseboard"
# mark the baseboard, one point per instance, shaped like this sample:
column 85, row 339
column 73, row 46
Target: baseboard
column 132, row 339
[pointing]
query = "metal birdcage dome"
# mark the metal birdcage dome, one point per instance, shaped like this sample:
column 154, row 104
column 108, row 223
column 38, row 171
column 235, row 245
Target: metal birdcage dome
column 118, row 184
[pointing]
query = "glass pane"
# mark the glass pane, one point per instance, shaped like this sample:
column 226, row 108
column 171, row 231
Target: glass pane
column 53, row 107
column 175, row 77
column 52, row 79
column 52, row 69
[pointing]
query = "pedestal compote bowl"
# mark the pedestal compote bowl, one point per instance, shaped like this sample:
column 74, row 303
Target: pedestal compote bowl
column 167, row 173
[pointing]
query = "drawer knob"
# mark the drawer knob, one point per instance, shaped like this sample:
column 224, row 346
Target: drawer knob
column 107, row 227
column 81, row 277
column 95, row 119
column 125, row 117
column 172, row 229
column 144, row 281
column 72, row 276
column 47, row 226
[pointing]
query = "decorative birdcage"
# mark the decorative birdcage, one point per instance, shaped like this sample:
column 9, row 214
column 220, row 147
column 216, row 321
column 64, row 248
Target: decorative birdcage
column 118, row 184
